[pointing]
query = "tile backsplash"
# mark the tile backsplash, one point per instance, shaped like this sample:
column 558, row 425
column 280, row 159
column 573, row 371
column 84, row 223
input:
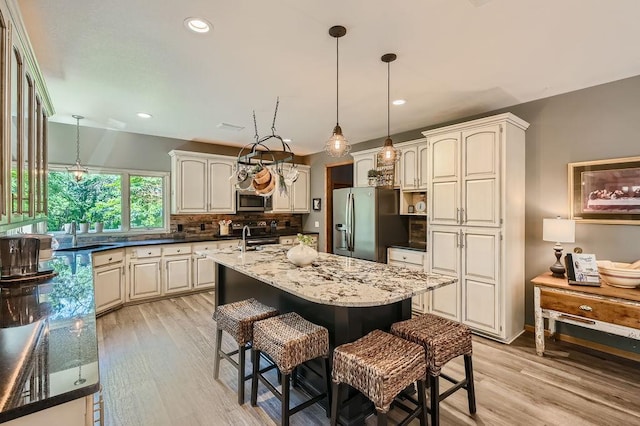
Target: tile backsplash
column 207, row 224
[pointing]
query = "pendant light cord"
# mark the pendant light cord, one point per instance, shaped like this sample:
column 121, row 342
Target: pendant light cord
column 337, row 78
column 78, row 140
column 388, row 96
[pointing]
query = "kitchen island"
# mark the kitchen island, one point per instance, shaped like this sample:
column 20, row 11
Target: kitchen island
column 350, row 297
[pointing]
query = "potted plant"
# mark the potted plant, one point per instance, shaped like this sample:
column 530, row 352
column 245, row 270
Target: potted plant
column 373, row 174
column 302, row 254
column 97, row 218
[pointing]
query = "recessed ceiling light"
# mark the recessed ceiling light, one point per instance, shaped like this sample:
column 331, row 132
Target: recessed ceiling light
column 399, row 102
column 197, row 25
column 144, row 115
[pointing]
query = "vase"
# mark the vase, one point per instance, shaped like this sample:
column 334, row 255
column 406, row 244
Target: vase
column 301, row 255
column 98, row 226
column 84, row 227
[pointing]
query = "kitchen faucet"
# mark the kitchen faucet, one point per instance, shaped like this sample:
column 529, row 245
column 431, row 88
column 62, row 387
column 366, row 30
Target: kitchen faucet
column 74, row 238
column 243, row 248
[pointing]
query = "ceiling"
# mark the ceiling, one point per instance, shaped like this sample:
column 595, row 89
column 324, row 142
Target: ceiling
column 108, row 60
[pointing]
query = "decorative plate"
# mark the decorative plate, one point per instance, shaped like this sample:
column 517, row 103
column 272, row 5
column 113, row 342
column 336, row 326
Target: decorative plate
column 421, row 206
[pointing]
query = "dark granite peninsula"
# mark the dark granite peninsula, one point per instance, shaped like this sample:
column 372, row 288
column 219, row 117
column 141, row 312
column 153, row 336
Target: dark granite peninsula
column 350, row 297
column 48, row 346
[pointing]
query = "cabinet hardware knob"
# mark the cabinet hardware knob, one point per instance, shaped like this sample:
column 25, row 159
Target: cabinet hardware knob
column 404, row 257
column 110, row 259
column 586, row 308
column 178, row 250
column 149, row 253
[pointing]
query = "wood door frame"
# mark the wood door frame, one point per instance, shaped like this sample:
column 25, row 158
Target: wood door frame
column 328, row 197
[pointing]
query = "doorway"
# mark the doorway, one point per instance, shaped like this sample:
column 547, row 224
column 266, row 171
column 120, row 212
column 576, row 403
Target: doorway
column 338, row 176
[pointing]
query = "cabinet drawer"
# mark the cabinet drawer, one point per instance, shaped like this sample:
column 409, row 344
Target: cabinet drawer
column 175, row 249
column 230, row 244
column 288, row 241
column 411, row 266
column 611, row 311
column 406, row 256
column 142, row 252
column 204, row 246
column 107, row 257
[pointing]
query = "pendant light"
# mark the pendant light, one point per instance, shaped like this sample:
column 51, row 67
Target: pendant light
column 388, row 154
column 337, row 145
column 77, row 169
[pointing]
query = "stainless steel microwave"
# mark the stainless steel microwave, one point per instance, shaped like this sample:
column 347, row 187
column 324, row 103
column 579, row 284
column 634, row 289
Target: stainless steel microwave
column 249, row 201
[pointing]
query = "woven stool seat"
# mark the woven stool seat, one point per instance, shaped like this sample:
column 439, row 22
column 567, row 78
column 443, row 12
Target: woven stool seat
column 237, row 318
column 290, row 340
column 443, row 340
column 380, row 365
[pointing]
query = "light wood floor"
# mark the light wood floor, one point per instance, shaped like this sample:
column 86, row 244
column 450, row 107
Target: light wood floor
column 156, row 369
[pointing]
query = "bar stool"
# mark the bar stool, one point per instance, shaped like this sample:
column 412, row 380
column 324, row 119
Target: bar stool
column 237, row 320
column 443, row 340
column 289, row 340
column 380, row 365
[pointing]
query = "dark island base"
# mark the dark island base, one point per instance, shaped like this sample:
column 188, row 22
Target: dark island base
column 345, row 324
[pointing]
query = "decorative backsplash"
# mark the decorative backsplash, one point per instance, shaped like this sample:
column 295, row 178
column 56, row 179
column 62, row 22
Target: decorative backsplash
column 207, row 224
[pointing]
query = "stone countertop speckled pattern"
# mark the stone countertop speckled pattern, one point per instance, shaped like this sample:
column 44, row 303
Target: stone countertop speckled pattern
column 48, row 342
column 331, row 279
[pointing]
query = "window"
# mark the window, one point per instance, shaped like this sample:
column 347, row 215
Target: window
column 124, row 201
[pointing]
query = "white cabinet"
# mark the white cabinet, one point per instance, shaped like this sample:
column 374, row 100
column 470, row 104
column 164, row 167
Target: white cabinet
column 200, row 183
column 176, row 259
column 476, row 223
column 203, row 267
column 410, row 259
column 362, row 163
column 145, row 265
column 414, row 166
column 297, row 198
column 108, row 279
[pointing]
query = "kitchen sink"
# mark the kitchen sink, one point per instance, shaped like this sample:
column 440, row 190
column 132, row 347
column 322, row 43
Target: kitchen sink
column 86, row 247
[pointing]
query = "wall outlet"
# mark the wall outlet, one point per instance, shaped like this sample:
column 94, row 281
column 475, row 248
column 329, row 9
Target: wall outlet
column 202, row 226
column 179, row 227
column 316, row 224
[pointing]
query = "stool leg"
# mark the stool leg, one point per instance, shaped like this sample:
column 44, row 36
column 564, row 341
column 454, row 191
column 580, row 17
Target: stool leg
column 422, row 400
column 294, row 378
column 435, row 400
column 382, row 419
column 216, row 355
column 255, row 359
column 335, row 402
column 326, row 375
column 471, row 391
column 241, row 376
column 285, row 399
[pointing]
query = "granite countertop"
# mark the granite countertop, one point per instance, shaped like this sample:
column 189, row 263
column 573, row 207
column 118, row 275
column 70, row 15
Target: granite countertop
column 48, row 344
column 331, row 279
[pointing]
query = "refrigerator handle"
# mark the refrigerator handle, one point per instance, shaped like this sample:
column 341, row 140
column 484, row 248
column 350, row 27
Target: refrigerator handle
column 352, row 221
column 347, row 216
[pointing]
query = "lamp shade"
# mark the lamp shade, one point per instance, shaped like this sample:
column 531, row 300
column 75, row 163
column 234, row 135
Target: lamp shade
column 559, row 230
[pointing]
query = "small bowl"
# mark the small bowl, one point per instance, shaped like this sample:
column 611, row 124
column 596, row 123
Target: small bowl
column 615, row 280
column 263, row 176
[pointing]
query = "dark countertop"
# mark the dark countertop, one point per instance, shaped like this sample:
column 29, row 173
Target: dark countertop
column 48, row 344
column 411, row 246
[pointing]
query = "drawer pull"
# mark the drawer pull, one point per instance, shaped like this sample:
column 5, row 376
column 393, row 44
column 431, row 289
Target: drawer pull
column 110, row 259
column 404, row 257
column 149, row 253
column 178, row 250
column 586, row 308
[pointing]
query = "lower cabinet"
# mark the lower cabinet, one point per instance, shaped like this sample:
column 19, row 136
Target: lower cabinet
column 410, row 259
column 203, row 268
column 145, row 266
column 177, row 268
column 109, row 279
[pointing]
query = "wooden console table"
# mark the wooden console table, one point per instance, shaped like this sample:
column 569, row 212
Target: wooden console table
column 610, row 309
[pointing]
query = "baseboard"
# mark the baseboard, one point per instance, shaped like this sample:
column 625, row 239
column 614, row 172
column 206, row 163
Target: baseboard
column 589, row 344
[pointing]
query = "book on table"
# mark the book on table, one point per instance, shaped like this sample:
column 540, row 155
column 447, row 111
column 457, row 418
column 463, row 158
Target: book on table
column 582, row 269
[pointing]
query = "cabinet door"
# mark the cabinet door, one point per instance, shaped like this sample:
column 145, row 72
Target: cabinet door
column 300, row 193
column 177, row 276
column 444, row 258
column 444, row 170
column 221, row 192
column 108, row 284
column 192, row 185
column 480, row 279
column 361, row 165
column 423, row 165
column 144, row 279
column 409, row 177
column 481, row 176
column 204, row 274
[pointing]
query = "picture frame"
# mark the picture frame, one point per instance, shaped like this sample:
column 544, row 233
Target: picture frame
column 316, row 204
column 605, row 191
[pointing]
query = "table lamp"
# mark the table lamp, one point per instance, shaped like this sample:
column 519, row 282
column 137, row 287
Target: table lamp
column 559, row 231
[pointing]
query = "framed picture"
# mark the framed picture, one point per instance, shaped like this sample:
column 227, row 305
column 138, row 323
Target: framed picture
column 605, row 191
column 316, row 204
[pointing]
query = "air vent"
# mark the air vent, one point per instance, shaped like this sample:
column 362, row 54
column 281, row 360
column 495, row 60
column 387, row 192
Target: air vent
column 231, row 127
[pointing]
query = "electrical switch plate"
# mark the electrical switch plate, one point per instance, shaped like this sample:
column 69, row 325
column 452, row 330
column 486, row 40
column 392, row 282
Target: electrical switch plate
column 317, row 224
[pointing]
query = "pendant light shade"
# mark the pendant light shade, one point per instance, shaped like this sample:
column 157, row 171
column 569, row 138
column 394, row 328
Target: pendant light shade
column 337, row 145
column 77, row 170
column 388, row 154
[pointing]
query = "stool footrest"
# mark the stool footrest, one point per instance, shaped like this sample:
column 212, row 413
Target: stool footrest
column 462, row 384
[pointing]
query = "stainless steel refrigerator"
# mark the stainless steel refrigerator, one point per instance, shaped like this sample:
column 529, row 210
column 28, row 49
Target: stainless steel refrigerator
column 366, row 222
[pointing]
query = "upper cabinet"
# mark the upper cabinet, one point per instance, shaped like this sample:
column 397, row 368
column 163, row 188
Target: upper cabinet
column 296, row 200
column 200, row 183
column 362, row 163
column 24, row 108
column 414, row 165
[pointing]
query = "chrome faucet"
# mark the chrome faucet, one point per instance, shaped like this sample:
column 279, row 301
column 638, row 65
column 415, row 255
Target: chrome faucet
column 74, row 238
column 243, row 248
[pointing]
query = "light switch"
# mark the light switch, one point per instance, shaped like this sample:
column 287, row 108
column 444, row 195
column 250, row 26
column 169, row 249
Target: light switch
column 317, row 224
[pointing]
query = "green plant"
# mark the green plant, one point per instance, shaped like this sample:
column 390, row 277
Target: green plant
column 305, row 239
column 373, row 173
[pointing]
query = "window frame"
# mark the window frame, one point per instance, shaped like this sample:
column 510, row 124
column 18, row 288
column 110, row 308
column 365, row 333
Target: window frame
column 125, row 197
